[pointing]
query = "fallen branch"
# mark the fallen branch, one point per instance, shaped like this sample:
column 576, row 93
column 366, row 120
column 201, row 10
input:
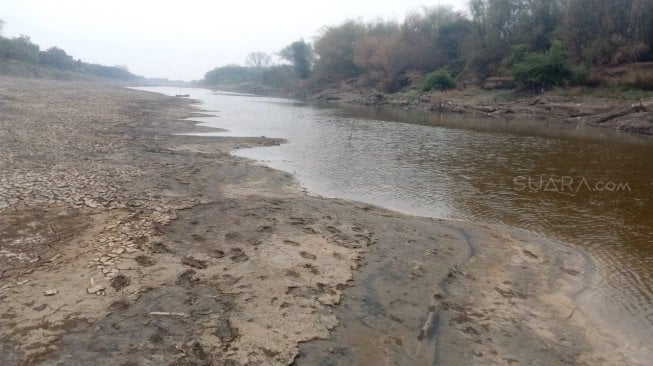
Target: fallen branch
column 167, row 313
column 620, row 113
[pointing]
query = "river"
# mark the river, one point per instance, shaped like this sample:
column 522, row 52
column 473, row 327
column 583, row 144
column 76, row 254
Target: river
column 577, row 185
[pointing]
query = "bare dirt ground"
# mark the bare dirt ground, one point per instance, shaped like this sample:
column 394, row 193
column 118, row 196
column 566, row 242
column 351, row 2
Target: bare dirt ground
column 122, row 243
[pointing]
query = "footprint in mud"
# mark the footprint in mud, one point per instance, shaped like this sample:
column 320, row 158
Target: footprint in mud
column 145, row 261
column 530, row 254
column 571, row 272
column 199, row 238
column 119, row 305
column 309, row 230
column 308, row 255
column 291, row 273
column 187, row 277
column 193, row 262
column 160, row 248
column 265, row 229
column 120, row 281
column 216, row 253
column 238, row 256
column 312, row 268
column 232, row 236
column 254, row 241
column 158, row 335
column 301, row 221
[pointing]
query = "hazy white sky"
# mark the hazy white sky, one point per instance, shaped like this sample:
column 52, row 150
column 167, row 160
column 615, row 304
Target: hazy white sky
column 183, row 39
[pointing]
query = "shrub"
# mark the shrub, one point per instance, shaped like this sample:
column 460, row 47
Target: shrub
column 579, row 75
column 642, row 82
column 541, row 70
column 439, row 79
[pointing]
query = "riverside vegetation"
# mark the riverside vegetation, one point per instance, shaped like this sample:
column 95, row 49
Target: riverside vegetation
column 549, row 58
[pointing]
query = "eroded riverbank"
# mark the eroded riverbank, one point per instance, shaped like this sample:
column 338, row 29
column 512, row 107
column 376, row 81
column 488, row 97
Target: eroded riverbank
column 123, row 243
column 570, row 106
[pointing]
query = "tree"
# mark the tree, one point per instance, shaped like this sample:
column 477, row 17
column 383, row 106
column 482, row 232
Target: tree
column 2, row 25
column 230, row 75
column 258, row 60
column 335, row 51
column 57, row 57
column 300, row 55
column 19, row 48
column 382, row 57
column 614, row 32
column 390, row 53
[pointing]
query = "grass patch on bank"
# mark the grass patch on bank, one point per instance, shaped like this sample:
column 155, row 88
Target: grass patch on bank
column 611, row 92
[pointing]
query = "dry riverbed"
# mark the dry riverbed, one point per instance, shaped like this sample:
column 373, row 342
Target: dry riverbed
column 122, row 243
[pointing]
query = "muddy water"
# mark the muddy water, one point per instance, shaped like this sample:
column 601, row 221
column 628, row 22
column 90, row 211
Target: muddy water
column 577, row 185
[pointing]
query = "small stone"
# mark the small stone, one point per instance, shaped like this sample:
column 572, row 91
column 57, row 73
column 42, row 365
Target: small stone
column 51, row 292
column 119, row 251
column 97, row 289
column 54, row 257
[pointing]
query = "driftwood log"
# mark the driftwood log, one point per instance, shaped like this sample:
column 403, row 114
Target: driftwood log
column 602, row 118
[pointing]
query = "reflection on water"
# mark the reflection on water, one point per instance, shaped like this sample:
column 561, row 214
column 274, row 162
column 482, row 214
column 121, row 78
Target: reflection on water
column 578, row 185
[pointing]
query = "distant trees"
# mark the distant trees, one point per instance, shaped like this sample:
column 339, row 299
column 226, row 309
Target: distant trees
column 614, row 32
column 22, row 49
column 335, row 51
column 541, row 43
column 300, row 55
column 58, row 58
column 249, row 77
column 380, row 56
column 230, row 75
column 19, row 48
column 383, row 53
column 258, row 59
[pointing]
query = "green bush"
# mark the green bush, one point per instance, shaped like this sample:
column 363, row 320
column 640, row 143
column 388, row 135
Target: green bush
column 579, row 75
column 539, row 70
column 439, row 79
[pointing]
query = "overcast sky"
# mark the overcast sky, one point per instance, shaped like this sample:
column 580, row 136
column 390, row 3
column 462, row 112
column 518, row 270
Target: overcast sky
column 183, row 39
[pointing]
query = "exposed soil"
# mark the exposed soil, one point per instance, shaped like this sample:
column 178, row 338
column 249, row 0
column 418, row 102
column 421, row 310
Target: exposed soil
column 122, row 243
column 564, row 106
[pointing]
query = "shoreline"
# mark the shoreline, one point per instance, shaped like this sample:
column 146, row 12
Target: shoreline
column 125, row 243
column 572, row 106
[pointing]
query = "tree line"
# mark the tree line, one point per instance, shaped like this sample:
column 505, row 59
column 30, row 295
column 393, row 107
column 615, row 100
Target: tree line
column 21, row 49
column 538, row 43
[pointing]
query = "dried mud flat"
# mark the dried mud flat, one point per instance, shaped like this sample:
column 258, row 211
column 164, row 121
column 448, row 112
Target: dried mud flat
column 124, row 244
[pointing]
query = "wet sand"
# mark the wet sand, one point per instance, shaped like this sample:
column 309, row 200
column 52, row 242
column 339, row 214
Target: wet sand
column 125, row 244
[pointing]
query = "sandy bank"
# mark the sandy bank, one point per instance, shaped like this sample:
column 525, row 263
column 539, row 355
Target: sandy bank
column 124, row 244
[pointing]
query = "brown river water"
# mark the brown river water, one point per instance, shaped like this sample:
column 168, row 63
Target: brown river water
column 581, row 186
